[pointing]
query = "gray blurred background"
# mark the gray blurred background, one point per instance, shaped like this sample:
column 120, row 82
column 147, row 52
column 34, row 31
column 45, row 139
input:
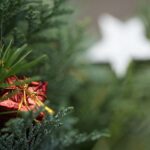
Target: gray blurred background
column 122, row 9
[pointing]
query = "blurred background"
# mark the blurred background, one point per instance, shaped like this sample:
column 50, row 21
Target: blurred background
column 105, row 102
column 92, row 9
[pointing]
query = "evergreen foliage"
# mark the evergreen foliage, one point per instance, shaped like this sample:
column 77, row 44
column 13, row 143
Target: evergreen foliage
column 42, row 26
column 119, row 105
column 13, row 61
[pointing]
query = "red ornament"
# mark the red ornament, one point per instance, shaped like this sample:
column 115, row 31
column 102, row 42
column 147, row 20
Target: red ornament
column 28, row 96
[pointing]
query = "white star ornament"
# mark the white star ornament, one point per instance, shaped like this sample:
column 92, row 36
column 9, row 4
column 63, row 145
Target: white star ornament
column 121, row 43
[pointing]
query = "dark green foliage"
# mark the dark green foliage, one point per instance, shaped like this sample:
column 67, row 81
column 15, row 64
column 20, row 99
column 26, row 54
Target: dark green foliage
column 120, row 105
column 48, row 134
column 42, row 25
column 144, row 14
column 13, row 61
column 25, row 18
column 60, row 72
column 26, row 134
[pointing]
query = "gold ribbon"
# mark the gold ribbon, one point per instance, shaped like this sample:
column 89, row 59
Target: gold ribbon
column 33, row 96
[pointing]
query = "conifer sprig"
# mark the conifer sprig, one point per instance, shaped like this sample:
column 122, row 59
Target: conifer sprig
column 13, row 61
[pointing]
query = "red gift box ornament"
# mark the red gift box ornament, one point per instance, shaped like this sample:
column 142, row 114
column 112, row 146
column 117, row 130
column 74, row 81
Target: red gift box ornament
column 28, row 96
